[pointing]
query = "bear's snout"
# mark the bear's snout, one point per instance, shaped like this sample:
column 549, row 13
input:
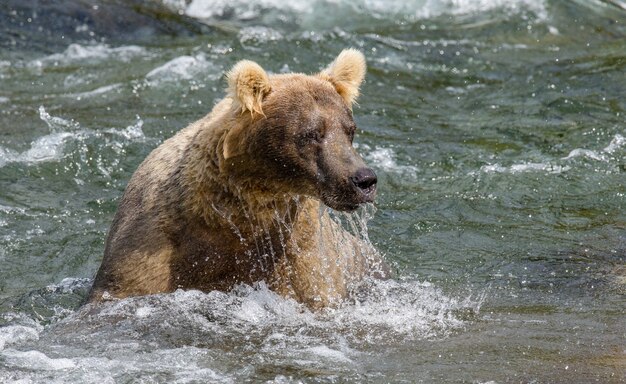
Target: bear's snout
column 365, row 182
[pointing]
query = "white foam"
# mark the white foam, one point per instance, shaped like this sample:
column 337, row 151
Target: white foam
column 333, row 355
column 51, row 147
column 192, row 336
column 411, row 308
column 7, row 209
column 260, row 34
column 55, row 123
column 96, row 92
column 44, row 148
column 462, row 90
column 78, row 79
column 90, row 53
column 201, row 375
column 182, row 68
column 116, row 364
column 579, row 152
column 35, row 360
column 553, row 167
column 69, row 285
column 421, row 9
column 6, row 156
column 525, row 167
column 416, row 9
column 4, row 100
column 385, row 159
column 617, row 143
column 143, row 311
column 14, row 334
column 175, row 5
column 206, row 9
column 259, row 305
column 131, row 132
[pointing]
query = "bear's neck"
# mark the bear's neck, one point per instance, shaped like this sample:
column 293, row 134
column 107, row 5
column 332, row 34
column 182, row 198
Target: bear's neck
column 213, row 198
column 254, row 213
column 255, row 216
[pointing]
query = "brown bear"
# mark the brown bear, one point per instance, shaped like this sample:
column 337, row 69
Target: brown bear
column 235, row 197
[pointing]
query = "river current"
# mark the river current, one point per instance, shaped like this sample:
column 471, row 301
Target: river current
column 498, row 132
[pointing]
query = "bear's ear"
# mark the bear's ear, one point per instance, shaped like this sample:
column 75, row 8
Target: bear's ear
column 346, row 73
column 232, row 145
column 248, row 84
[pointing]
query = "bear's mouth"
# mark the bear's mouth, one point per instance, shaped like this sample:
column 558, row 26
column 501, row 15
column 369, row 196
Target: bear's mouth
column 345, row 193
column 350, row 201
column 369, row 193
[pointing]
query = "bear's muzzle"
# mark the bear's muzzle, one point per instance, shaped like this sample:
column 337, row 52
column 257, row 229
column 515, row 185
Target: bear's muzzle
column 364, row 180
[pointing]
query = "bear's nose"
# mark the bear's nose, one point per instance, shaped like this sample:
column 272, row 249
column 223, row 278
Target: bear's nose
column 364, row 179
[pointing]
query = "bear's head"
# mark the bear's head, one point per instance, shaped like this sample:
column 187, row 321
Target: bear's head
column 292, row 133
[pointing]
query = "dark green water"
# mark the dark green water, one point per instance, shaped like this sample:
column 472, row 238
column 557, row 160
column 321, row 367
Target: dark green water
column 497, row 130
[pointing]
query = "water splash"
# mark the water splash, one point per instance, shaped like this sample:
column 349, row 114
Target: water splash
column 617, row 143
column 43, row 149
column 563, row 164
column 259, row 34
column 131, row 132
column 90, row 54
column 18, row 334
column 183, row 68
column 416, row 9
column 200, row 335
column 51, row 147
column 98, row 92
column 407, row 308
column 56, row 124
column 386, row 159
column 525, row 167
column 193, row 335
column 35, row 360
column 214, row 336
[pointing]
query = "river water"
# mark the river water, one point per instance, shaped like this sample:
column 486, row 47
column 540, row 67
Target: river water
column 497, row 129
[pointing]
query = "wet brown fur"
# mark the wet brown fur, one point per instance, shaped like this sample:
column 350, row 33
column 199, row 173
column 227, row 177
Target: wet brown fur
column 235, row 197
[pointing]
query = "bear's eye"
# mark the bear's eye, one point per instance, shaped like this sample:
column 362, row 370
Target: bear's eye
column 310, row 137
column 350, row 131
